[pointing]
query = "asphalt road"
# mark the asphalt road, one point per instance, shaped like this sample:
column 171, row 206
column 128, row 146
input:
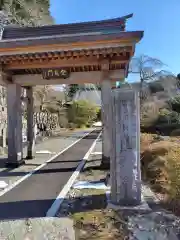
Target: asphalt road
column 34, row 196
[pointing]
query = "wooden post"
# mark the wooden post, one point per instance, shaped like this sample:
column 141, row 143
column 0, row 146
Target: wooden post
column 30, row 125
column 125, row 157
column 4, row 137
column 14, row 116
column 105, row 114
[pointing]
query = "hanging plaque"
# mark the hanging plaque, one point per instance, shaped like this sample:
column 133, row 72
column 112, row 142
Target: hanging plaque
column 55, row 73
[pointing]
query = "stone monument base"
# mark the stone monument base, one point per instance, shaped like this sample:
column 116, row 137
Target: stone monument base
column 14, row 164
column 105, row 163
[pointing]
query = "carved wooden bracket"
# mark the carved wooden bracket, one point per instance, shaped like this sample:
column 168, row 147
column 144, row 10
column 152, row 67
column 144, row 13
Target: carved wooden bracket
column 105, row 68
column 5, row 77
column 105, row 65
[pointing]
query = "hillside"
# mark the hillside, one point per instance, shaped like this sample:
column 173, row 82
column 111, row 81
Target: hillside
column 160, row 90
column 25, row 12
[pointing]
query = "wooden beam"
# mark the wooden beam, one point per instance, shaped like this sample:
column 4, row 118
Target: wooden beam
column 75, row 78
column 107, row 52
column 51, row 63
column 47, row 63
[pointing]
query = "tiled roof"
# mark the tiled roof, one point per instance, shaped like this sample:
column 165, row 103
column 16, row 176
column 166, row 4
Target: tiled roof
column 60, row 39
column 63, row 29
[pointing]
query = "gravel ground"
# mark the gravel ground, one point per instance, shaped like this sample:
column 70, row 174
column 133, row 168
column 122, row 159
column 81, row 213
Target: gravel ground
column 38, row 229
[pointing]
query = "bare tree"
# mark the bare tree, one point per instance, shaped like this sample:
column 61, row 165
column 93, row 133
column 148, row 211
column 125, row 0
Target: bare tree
column 147, row 69
column 40, row 94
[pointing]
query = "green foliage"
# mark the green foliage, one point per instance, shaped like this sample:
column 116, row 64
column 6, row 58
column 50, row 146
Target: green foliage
column 168, row 117
column 164, row 116
column 99, row 114
column 174, row 103
column 82, row 113
column 73, row 88
column 153, row 115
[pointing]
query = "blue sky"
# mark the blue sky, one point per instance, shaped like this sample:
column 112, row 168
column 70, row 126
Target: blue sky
column 160, row 21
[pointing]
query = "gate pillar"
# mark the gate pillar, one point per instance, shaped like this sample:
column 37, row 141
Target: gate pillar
column 105, row 114
column 14, row 118
column 106, row 86
column 30, row 124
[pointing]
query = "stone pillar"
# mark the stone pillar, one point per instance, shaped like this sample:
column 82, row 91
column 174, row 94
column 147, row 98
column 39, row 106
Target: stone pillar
column 30, row 125
column 125, row 145
column 14, row 117
column 105, row 110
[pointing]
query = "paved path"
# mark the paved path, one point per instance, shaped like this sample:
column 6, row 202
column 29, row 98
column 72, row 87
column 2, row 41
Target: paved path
column 33, row 197
column 53, row 145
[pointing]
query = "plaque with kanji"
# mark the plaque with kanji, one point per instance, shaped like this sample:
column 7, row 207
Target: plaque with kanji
column 55, row 73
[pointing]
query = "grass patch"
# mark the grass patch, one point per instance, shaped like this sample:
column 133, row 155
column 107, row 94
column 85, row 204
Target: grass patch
column 160, row 164
column 99, row 224
column 96, row 221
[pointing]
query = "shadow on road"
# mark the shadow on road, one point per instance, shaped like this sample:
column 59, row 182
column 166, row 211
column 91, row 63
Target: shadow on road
column 91, row 136
column 38, row 208
column 3, row 161
column 51, row 167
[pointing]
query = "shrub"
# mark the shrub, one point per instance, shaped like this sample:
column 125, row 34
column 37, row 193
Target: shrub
column 175, row 103
column 173, row 168
column 82, row 113
column 160, row 165
column 149, row 114
column 175, row 132
column 154, row 163
column 98, row 114
column 168, row 117
column 146, row 139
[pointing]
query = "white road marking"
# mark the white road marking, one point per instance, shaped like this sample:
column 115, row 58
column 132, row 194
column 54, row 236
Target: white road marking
column 45, row 152
column 10, row 187
column 60, row 198
column 96, row 153
column 3, row 184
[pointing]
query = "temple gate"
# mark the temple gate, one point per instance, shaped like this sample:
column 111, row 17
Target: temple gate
column 91, row 52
